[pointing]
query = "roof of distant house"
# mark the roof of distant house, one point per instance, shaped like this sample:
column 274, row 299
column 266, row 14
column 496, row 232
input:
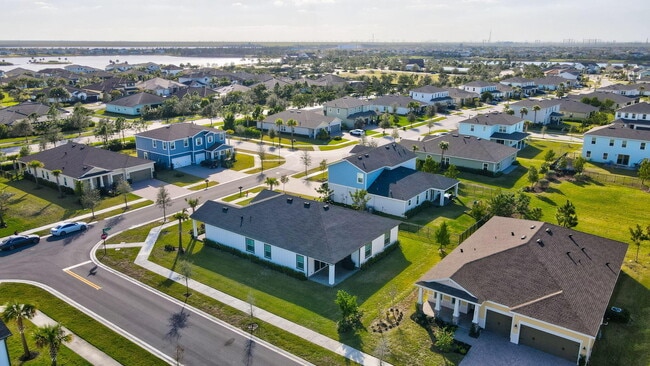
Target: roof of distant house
column 621, row 128
column 305, row 118
column 159, row 83
column 399, row 100
column 346, row 102
column 479, row 83
column 429, row 89
column 530, row 103
column 176, row 131
column 493, row 119
column 575, row 106
column 602, row 96
column 643, row 108
column 137, row 99
column 465, row 147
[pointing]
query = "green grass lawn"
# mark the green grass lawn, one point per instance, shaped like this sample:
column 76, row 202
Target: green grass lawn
column 310, row 171
column 114, row 345
column 178, row 178
column 202, row 186
column 243, row 161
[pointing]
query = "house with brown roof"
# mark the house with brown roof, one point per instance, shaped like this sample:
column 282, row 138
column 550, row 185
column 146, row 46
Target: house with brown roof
column 533, row 283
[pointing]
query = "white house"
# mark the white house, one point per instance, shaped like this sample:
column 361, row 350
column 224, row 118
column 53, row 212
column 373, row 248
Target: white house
column 310, row 237
column 635, row 112
column 549, row 110
column 527, row 86
column 133, row 105
column 430, row 94
column 631, row 90
column 479, row 87
column 386, row 103
column 623, row 142
column 501, row 128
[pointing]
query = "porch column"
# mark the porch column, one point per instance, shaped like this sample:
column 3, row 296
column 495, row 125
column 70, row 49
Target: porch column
column 420, row 295
column 476, row 311
column 438, row 301
column 442, row 198
column 194, row 229
column 456, row 190
column 331, row 274
column 456, row 311
column 101, row 181
column 92, row 185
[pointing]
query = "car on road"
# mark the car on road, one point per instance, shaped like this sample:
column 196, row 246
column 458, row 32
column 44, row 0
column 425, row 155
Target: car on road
column 68, row 227
column 357, row 132
column 16, row 241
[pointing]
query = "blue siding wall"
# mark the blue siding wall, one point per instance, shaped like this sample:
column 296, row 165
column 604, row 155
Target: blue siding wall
column 345, row 174
column 198, row 142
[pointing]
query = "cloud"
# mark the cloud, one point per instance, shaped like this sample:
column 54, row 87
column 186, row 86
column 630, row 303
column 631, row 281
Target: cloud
column 44, row 5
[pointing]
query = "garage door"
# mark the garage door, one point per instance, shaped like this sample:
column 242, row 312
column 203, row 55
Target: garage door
column 498, row 323
column 549, row 343
column 335, row 129
column 139, row 175
column 182, row 161
column 198, row 158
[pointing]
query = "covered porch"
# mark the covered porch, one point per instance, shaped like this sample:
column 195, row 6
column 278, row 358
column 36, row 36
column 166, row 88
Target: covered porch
column 448, row 303
column 332, row 275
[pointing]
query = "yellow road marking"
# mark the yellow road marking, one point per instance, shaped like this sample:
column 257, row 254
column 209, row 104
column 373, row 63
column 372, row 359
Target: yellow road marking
column 93, row 285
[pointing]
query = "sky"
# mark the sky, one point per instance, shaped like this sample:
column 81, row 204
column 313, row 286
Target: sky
column 326, row 20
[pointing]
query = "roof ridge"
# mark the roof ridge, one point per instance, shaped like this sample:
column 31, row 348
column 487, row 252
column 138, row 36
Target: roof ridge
column 536, row 300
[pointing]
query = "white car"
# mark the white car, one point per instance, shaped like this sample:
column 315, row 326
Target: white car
column 68, row 227
column 357, row 132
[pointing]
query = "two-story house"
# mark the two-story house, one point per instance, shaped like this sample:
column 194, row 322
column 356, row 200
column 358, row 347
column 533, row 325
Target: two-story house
column 619, row 100
column 430, row 94
column 623, row 143
column 631, row 90
column 397, row 104
column 347, row 109
column 549, row 111
column 308, row 122
column 635, row 114
column 388, row 174
column 181, row 144
column 479, row 87
column 527, row 86
column 501, row 128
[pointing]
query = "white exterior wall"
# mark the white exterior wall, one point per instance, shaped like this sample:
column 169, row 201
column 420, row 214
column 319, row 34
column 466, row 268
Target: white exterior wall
column 426, row 97
column 481, row 131
column 387, row 205
column 633, row 116
column 595, row 152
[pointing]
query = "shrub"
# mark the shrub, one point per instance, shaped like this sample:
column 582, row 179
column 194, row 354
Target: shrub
column 337, row 138
column 543, row 183
column 444, row 339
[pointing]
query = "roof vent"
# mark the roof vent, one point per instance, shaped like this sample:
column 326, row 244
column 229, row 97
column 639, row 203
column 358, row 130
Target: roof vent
column 366, row 155
column 306, row 204
column 548, row 230
column 387, row 147
column 224, row 209
column 540, row 242
column 289, row 200
column 359, row 157
column 512, row 233
column 523, row 237
column 455, row 135
column 326, row 207
column 466, row 136
column 532, row 227
column 461, row 250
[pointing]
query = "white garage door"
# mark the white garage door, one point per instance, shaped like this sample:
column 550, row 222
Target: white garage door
column 182, row 161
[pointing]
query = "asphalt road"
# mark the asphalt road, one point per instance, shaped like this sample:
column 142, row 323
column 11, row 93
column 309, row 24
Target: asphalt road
column 148, row 316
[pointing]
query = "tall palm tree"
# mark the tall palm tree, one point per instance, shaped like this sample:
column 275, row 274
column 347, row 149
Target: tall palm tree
column 180, row 216
column 523, row 111
column 271, row 182
column 35, row 164
column 18, row 312
column 444, row 146
column 51, row 336
column 56, row 173
column 292, row 123
column 536, row 108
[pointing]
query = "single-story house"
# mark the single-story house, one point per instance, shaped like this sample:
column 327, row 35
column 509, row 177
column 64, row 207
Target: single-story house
column 530, row 282
column 401, row 103
column 133, row 105
column 13, row 114
column 311, row 237
column 575, row 110
column 182, row 144
column 96, row 167
column 465, row 151
column 309, row 122
column 619, row 100
column 161, row 87
column 430, row 94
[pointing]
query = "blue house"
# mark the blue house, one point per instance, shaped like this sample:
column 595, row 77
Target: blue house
column 181, row 144
column 388, row 174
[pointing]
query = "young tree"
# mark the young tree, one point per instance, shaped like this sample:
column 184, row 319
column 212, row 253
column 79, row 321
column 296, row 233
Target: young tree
column 478, row 210
column 90, row 199
column 637, row 235
column 385, row 122
column 533, row 177
column 163, row 200
column 579, row 164
column 395, row 134
column 549, row 156
column 452, row 172
column 121, row 125
column 566, row 215
column 644, row 171
column 52, row 337
column 124, row 188
column 262, row 155
column 442, row 236
column 323, row 165
column 5, row 197
column 305, row 158
column 284, row 179
column 350, row 313
column 360, row 199
column 270, row 181
column 325, row 193
column 180, row 216
column 444, row 339
column 18, row 312
column 430, row 165
column 185, row 269
column 35, row 164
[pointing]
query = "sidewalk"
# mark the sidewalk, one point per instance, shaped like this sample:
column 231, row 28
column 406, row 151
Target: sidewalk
column 77, row 345
column 337, row 347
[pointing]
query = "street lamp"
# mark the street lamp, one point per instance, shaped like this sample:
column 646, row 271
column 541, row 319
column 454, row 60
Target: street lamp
column 240, row 188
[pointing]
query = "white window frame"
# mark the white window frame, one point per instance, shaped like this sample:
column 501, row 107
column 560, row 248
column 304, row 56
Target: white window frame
column 154, row 144
column 360, row 178
column 198, row 141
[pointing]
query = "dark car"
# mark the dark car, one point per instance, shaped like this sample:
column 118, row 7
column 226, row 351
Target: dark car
column 617, row 315
column 16, row 241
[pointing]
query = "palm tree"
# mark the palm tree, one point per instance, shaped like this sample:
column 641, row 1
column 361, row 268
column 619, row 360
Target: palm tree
column 18, row 312
column 536, row 108
column 35, row 164
column 271, row 182
column 56, row 173
column 193, row 203
column 180, row 216
column 444, row 146
column 523, row 111
column 292, row 123
column 51, row 336
column 278, row 123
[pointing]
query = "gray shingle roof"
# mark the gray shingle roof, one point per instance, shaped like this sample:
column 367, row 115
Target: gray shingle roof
column 513, row 136
column 529, row 103
column 404, row 183
column 305, row 118
column 570, row 105
column 636, row 108
column 4, row 331
column 601, row 96
column 302, row 226
column 379, row 157
column 493, row 119
column 619, row 129
column 20, row 111
column 464, row 147
column 566, row 278
column 346, row 102
column 389, row 100
column 176, row 131
column 428, row 89
column 138, row 99
column 76, row 160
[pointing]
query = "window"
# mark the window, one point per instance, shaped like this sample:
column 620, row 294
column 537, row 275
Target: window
column 300, row 262
column 644, row 116
column 186, row 142
column 65, row 181
column 360, row 178
column 368, row 250
column 210, row 138
column 593, row 141
column 446, row 161
column 199, row 141
column 643, row 146
column 623, row 159
column 409, row 203
column 611, row 142
column 604, row 156
column 386, row 238
column 164, row 145
column 498, row 166
column 623, row 143
column 471, row 128
column 485, row 166
column 417, row 200
column 154, row 143
column 267, row 251
column 172, row 145
column 588, row 154
column 250, row 245
column 502, row 129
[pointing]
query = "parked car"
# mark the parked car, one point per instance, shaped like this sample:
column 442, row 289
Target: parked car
column 16, row 241
column 68, row 227
column 617, row 315
column 357, row 132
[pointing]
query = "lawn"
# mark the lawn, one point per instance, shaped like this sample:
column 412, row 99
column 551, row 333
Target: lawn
column 178, row 178
column 243, row 161
column 116, row 346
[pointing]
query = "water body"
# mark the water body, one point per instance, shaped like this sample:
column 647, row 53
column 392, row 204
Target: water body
column 100, row 62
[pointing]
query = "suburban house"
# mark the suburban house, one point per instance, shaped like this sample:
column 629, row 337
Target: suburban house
column 551, row 83
column 619, row 100
column 501, row 128
column 75, row 95
column 81, row 69
column 347, row 109
column 462, row 97
column 310, row 237
column 479, row 87
column 171, row 70
column 161, row 87
column 98, row 168
column 549, row 110
column 388, row 174
column 10, row 115
column 624, row 142
column 574, row 110
column 133, row 105
column 636, row 112
column 527, row 86
column 4, row 349
column 530, row 282
column 430, row 94
column 465, row 151
column 309, row 122
column 182, row 144
column 631, row 90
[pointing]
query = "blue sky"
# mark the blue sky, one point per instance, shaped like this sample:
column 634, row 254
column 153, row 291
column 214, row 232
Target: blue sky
column 325, row 20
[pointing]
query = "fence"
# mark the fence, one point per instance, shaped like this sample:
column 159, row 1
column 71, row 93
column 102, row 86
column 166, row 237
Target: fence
column 476, row 190
column 421, row 233
column 614, row 179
